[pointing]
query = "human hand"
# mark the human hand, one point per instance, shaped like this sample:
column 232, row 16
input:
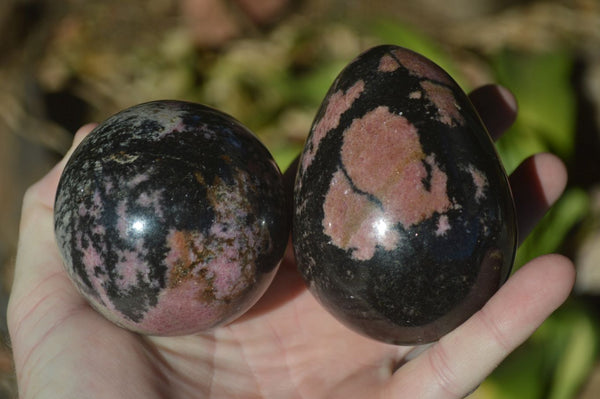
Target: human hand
column 287, row 345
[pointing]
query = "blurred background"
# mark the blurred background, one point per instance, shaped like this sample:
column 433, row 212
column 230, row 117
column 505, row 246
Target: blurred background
column 269, row 63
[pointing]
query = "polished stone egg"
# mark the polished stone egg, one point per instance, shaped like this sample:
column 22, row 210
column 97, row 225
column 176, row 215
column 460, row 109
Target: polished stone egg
column 404, row 223
column 171, row 218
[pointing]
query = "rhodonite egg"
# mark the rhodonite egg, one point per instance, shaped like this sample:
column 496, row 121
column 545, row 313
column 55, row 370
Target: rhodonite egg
column 404, row 222
column 171, row 218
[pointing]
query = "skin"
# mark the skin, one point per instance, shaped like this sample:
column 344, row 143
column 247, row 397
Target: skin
column 286, row 346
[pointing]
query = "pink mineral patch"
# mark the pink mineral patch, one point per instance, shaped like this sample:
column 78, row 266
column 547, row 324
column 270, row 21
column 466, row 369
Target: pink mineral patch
column 186, row 250
column 192, row 315
column 140, row 178
column 224, row 259
column 419, row 66
column 171, row 124
column 339, row 102
column 91, row 257
column 443, row 99
column 205, row 273
column 443, row 225
column 480, row 182
column 123, row 221
column 228, row 279
column 383, row 157
column 95, row 210
column 353, row 221
column 130, row 267
column 151, row 200
column 108, row 185
column 388, row 64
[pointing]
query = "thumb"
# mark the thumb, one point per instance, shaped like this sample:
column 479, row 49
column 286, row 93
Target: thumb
column 37, row 255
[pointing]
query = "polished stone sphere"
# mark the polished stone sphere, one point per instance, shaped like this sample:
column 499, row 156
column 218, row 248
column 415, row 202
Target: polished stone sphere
column 171, row 218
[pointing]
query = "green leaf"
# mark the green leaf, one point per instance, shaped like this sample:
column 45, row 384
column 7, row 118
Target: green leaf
column 542, row 86
column 553, row 363
column 310, row 90
column 571, row 337
column 520, row 376
column 549, row 234
column 518, row 143
column 284, row 155
column 578, row 356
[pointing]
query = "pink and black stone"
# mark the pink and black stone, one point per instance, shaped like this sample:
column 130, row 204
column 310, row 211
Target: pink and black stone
column 404, row 222
column 171, row 218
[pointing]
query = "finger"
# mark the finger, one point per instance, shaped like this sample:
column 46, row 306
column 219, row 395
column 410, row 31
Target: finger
column 454, row 366
column 496, row 106
column 38, row 259
column 536, row 184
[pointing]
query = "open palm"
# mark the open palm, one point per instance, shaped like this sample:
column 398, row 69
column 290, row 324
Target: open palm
column 286, row 346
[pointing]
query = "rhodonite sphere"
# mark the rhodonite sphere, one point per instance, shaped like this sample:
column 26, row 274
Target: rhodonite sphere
column 404, row 222
column 171, row 218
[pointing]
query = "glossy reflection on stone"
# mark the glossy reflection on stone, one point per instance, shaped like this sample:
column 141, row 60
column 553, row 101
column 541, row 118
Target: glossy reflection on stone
column 404, row 223
column 171, row 218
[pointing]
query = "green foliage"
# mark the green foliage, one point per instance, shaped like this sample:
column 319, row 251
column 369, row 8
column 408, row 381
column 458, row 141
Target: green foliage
column 521, row 141
column 546, row 120
column 553, row 363
column 546, row 96
column 549, row 235
column 575, row 334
